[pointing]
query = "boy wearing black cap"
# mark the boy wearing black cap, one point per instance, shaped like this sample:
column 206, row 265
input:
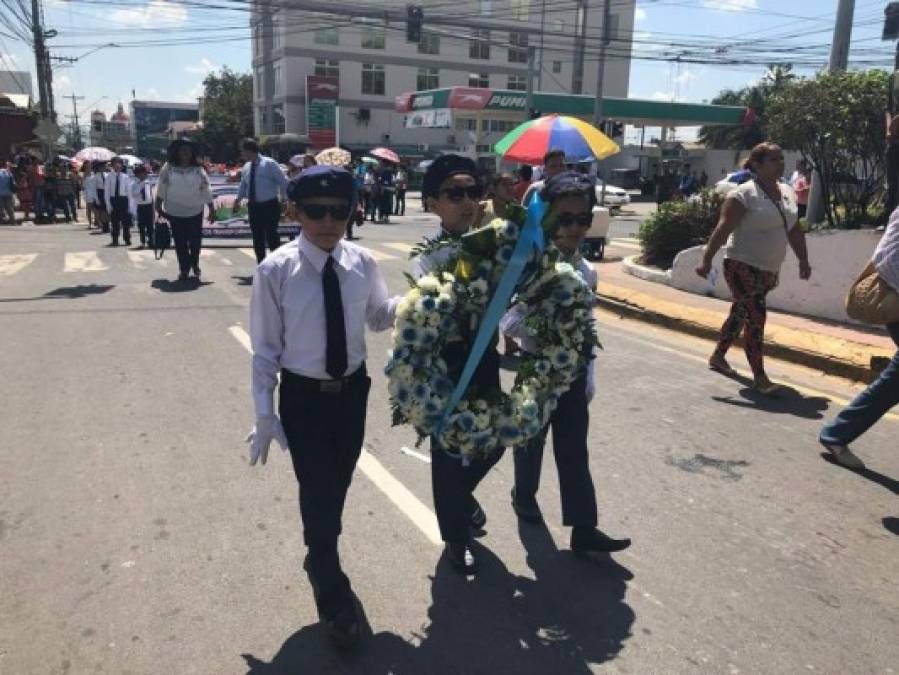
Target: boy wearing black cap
column 451, row 190
column 570, row 197
column 311, row 300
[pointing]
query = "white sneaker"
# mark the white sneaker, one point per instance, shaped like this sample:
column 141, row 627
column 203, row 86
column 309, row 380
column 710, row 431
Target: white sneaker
column 844, row 456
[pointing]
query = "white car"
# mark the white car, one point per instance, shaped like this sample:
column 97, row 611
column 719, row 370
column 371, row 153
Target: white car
column 615, row 196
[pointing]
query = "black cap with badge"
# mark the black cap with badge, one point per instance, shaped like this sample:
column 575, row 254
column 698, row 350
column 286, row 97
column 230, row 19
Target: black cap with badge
column 323, row 181
column 442, row 168
column 569, row 183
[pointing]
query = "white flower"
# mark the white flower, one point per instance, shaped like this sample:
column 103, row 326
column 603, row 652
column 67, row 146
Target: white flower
column 426, row 304
column 478, row 287
column 429, row 284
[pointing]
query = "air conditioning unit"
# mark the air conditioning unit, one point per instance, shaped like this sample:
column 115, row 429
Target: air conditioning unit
column 451, row 139
column 364, row 114
column 385, row 138
column 423, row 147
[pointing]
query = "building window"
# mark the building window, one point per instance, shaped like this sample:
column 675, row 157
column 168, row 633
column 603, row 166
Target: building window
column 466, row 124
column 373, row 79
column 257, row 39
column 520, row 9
column 263, row 122
column 428, row 78
column 327, row 35
column 484, row 148
column 557, row 66
column 373, row 37
column 429, row 43
column 479, row 46
column 327, row 68
column 559, row 26
column 517, row 83
column 276, row 80
column 483, row 7
column 260, row 82
column 498, row 126
column 518, row 50
column 276, row 33
column 481, row 80
column 278, row 125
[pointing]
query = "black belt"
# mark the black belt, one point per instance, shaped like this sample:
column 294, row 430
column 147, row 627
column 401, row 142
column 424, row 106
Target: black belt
column 324, row 386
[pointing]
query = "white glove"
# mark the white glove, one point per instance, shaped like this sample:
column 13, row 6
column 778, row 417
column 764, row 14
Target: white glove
column 260, row 438
column 591, row 384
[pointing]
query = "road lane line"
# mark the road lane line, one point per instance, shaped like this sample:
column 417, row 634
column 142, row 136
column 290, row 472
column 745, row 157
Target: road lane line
column 10, row 264
column 626, row 243
column 399, row 246
column 84, row 261
column 417, row 455
column 806, row 391
column 420, row 515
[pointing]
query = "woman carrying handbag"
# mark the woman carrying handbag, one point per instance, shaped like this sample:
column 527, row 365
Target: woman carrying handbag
column 880, row 305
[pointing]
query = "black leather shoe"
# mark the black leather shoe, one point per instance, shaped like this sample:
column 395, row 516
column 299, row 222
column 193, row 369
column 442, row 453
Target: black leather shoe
column 594, row 540
column 528, row 510
column 461, row 557
column 478, row 517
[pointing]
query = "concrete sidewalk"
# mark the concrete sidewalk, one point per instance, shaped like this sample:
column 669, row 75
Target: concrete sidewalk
column 837, row 349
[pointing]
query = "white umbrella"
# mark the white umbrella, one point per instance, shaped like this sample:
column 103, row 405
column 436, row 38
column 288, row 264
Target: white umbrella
column 131, row 160
column 94, row 154
column 334, row 157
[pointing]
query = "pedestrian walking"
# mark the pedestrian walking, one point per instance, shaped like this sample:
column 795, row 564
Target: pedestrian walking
column 117, row 190
column 802, row 186
column 688, row 183
column 311, row 301
column 182, row 192
column 758, row 220
column 451, row 190
column 142, row 199
column 387, row 186
column 65, row 193
column 372, row 192
column 263, row 185
column 570, row 197
column 49, row 192
column 101, row 213
column 7, row 192
column 89, row 185
column 401, row 184
column 881, row 395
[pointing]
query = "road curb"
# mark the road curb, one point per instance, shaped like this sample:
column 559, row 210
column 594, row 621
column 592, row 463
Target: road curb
column 833, row 356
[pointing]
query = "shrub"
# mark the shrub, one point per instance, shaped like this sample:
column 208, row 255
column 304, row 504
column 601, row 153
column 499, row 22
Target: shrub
column 677, row 226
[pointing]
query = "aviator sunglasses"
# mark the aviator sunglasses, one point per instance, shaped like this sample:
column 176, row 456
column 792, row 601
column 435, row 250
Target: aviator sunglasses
column 568, row 219
column 457, row 194
column 318, row 211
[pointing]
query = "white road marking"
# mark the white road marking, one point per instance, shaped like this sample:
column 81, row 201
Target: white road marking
column 10, row 264
column 84, row 261
column 380, row 255
column 414, row 453
column 399, row 246
column 626, row 243
column 420, row 515
column 141, row 258
column 250, row 253
column 216, row 257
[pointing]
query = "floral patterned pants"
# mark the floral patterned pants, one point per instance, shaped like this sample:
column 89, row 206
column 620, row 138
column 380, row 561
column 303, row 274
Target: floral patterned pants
column 749, row 285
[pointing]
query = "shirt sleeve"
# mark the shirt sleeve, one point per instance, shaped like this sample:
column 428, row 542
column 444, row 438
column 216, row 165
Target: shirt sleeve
column 266, row 338
column 380, row 312
column 281, row 179
column 242, row 190
column 741, row 197
column 162, row 183
column 108, row 187
column 205, row 191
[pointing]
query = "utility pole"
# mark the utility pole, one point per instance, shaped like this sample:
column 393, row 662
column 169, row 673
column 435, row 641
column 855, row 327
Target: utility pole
column 839, row 60
column 40, row 59
column 76, row 129
column 529, row 104
column 601, row 66
column 542, row 28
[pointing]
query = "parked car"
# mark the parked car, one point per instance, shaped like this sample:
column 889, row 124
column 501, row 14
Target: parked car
column 614, row 196
column 594, row 246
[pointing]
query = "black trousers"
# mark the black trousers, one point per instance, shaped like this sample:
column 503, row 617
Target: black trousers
column 264, row 217
column 400, row 206
column 188, row 236
column 569, row 425
column 325, row 432
column 145, row 222
column 120, row 219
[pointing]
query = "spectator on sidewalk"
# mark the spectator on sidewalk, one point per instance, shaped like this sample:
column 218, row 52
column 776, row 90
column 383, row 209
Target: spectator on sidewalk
column 24, row 193
column 802, row 186
column 386, row 184
column 757, row 221
column 553, row 164
column 873, row 403
column 7, row 190
column 65, row 193
column 101, row 215
column 401, row 183
column 36, row 182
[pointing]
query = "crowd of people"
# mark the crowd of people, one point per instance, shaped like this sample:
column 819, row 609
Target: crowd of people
column 49, row 191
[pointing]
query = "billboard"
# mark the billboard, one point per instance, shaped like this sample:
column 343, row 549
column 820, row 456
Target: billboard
column 322, row 94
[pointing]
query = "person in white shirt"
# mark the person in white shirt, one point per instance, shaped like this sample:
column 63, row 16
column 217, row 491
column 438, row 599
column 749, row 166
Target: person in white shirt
column 553, row 164
column 117, row 190
column 142, row 200
column 311, row 301
column 89, row 185
column 101, row 214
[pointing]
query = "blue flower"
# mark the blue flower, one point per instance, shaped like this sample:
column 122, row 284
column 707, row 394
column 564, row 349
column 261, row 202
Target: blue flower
column 428, row 303
column 409, row 334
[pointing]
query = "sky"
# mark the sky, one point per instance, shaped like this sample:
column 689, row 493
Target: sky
column 664, row 29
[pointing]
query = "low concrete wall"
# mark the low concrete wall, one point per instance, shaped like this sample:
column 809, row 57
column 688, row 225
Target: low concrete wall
column 837, row 258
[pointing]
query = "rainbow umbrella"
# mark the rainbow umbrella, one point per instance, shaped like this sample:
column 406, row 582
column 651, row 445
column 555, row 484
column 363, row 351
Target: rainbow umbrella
column 528, row 142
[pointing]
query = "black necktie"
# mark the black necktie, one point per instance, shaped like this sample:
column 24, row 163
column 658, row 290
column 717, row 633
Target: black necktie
column 143, row 193
column 335, row 354
column 116, row 184
column 253, row 181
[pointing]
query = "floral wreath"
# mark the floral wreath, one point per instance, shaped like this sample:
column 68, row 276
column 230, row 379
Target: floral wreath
column 445, row 306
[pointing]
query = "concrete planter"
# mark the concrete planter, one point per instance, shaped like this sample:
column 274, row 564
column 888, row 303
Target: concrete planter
column 837, row 258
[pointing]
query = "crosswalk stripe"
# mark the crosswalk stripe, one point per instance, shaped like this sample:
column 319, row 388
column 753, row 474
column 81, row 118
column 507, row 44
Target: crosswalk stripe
column 10, row 264
column 216, row 257
column 140, row 259
column 250, row 253
column 399, row 246
column 84, row 261
column 380, row 255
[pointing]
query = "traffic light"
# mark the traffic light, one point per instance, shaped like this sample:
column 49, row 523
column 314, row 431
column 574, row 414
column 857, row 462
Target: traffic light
column 414, row 19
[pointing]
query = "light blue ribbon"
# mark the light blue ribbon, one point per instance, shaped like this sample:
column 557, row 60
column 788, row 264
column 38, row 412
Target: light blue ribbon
column 529, row 240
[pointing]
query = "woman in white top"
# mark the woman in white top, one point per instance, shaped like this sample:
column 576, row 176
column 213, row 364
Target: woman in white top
column 758, row 220
column 873, row 403
column 182, row 193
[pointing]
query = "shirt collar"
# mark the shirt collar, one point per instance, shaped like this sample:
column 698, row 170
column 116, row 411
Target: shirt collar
column 318, row 257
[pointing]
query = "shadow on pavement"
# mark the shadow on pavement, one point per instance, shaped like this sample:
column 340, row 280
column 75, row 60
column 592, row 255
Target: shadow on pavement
column 890, row 484
column 787, row 401
column 167, row 286
column 243, row 280
column 66, row 293
column 891, row 524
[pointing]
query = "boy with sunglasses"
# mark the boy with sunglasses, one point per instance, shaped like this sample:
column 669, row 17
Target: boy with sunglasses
column 570, row 198
column 311, row 301
column 451, row 190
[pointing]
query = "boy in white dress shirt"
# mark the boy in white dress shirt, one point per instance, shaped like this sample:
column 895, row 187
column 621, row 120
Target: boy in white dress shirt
column 142, row 201
column 311, row 301
column 118, row 201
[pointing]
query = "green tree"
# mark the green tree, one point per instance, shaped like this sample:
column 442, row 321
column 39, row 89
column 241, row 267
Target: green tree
column 836, row 121
column 227, row 114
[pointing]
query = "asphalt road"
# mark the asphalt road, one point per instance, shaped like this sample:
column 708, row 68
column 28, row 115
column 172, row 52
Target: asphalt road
column 135, row 538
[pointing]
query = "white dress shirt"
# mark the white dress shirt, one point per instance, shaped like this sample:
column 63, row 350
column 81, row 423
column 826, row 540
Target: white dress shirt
column 287, row 312
column 124, row 182
column 141, row 194
column 89, row 185
column 425, row 264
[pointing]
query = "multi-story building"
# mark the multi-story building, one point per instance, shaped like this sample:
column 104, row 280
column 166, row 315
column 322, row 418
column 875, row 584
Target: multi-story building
column 151, row 122
column 113, row 133
column 474, row 43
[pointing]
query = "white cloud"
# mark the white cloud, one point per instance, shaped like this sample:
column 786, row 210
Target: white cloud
column 204, row 67
column 639, row 15
column 152, row 94
column 662, row 96
column 731, row 5
column 195, row 93
column 161, row 13
column 62, row 83
column 687, row 76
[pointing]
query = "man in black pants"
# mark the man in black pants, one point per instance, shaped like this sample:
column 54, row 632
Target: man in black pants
column 118, row 201
column 263, row 185
column 301, row 327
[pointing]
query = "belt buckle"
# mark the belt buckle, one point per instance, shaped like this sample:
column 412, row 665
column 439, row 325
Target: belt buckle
column 331, row 386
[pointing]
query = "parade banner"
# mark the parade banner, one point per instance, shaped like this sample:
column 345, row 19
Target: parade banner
column 229, row 225
column 322, row 94
column 441, row 118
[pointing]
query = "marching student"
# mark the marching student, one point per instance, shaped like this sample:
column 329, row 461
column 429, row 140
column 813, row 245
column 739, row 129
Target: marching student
column 263, row 185
column 142, row 198
column 570, row 197
column 117, row 190
column 311, row 301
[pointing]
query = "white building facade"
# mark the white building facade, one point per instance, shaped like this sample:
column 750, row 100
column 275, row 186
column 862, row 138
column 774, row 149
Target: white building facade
column 476, row 43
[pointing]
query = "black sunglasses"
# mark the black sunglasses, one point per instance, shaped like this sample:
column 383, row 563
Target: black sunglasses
column 318, row 211
column 457, row 194
column 568, row 219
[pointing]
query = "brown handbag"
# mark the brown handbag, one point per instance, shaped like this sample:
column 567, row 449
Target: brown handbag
column 872, row 300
